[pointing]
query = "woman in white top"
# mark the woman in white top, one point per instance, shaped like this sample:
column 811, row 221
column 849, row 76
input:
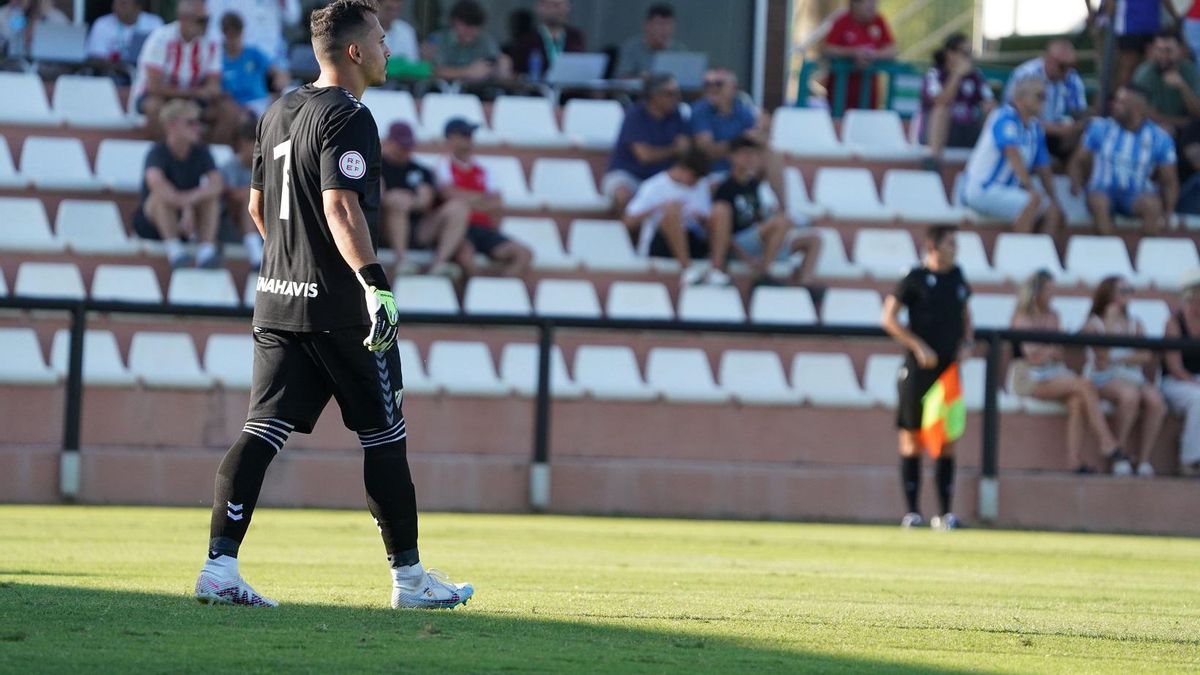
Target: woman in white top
column 1118, row 374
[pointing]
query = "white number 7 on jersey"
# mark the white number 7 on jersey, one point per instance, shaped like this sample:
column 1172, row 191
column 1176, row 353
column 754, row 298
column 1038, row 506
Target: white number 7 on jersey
column 284, row 150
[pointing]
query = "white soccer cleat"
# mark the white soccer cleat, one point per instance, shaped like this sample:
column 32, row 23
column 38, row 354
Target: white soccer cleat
column 432, row 590
column 947, row 521
column 214, row 590
column 912, row 519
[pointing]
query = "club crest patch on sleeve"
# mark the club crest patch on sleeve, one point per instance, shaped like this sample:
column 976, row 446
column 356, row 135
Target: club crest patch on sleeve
column 352, row 165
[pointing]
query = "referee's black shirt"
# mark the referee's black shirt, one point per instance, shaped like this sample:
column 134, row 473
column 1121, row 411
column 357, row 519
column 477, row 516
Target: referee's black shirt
column 936, row 303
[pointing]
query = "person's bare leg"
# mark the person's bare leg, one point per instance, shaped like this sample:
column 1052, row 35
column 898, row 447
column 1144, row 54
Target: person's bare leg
column 514, row 257
column 1052, row 221
column 451, row 222
column 1077, row 388
column 465, row 257
column 1027, row 219
column 1125, row 399
column 809, row 244
column 396, row 222
column 208, row 218
column 1149, row 208
column 673, row 232
column 164, row 216
column 938, row 130
column 1101, row 209
column 1154, row 413
column 773, row 233
column 621, row 198
column 1074, row 433
column 719, row 234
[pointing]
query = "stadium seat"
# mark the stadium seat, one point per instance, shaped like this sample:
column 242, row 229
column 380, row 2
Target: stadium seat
column 1020, row 255
column 1034, row 406
column 566, row 184
column 756, row 378
column 828, row 380
column 93, row 228
column 799, row 205
column 24, row 101
column 1092, row 258
column 992, row 310
column 711, row 303
column 519, row 367
column 880, row 380
column 26, row 227
column 437, row 109
column 9, row 178
column 1163, row 260
column 53, row 163
column 851, row 307
column 918, row 196
column 102, row 364
column 89, row 102
column 58, row 43
column 782, row 305
column 834, row 264
column 166, row 360
column 389, row 106
column 683, row 376
column 126, row 283
column 973, row 374
column 849, row 193
column 21, row 360
column 221, row 153
column 805, row 132
column 1153, row 313
column 496, row 296
column 877, row 134
column 542, row 237
column 3, row 285
column 973, row 260
column 213, row 288
column 592, row 124
column 566, row 298
column 121, row 162
column 250, row 290
column 49, row 280
column 885, row 254
column 610, row 373
column 1075, row 208
column 229, row 359
column 416, row 380
column 425, row 295
column 465, row 369
column 1072, row 311
column 509, row 178
column 603, row 245
column 638, row 300
column 527, row 121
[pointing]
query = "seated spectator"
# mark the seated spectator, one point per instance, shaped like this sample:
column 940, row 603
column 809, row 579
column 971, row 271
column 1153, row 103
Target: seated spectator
column 1191, row 30
column 461, row 178
column 246, row 69
column 17, row 19
column 465, row 51
column 181, row 190
column 1135, row 23
column 411, row 216
column 1065, row 109
column 998, row 180
column 1039, row 372
column 401, row 39
column 235, row 176
column 746, row 206
column 1117, row 372
column 1172, row 85
column 265, row 21
column 862, row 34
column 117, row 37
column 955, row 99
column 652, row 136
column 721, row 117
column 550, row 37
column 1124, row 151
column 1181, row 373
column 636, row 54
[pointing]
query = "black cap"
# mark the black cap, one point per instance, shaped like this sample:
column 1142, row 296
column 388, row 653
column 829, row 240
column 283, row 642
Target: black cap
column 459, row 125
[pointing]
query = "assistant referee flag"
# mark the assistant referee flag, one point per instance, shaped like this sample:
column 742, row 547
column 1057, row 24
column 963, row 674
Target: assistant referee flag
column 943, row 413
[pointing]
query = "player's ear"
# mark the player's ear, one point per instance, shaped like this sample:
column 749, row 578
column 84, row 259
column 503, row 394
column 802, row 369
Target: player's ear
column 354, row 52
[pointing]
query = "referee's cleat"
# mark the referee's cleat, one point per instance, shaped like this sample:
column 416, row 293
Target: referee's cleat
column 431, row 590
column 946, row 521
column 912, row 519
column 214, row 590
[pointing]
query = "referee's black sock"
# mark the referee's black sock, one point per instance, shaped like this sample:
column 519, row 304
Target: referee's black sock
column 944, row 474
column 910, row 479
column 240, row 479
column 391, row 497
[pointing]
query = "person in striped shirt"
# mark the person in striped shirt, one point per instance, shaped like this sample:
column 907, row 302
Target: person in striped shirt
column 1125, row 153
column 1066, row 105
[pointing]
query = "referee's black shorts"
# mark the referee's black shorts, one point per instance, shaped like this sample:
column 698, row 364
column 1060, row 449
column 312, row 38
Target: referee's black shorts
column 912, row 382
column 295, row 374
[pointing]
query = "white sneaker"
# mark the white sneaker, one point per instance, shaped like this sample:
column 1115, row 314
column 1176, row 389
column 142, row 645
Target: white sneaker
column 212, row 589
column 1122, row 467
column 1145, row 470
column 716, row 277
column 947, row 521
column 692, row 275
column 912, row 519
column 432, row 590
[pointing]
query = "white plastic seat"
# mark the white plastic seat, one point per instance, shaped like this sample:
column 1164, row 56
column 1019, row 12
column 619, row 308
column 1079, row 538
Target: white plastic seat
column 881, row 378
column 3, row 285
column 567, row 298
column 389, row 106
column 465, row 368
column 121, row 163
column 1020, row 255
column 25, row 227
column 93, row 228
column 1072, row 311
column 1031, row 405
column 711, row 303
column 221, row 153
column 542, row 237
column 496, row 296
column 683, row 376
column 828, row 380
column 90, row 102
column 851, row 307
column 425, row 295
column 567, row 184
column 849, row 193
column 885, row 254
column 973, row 374
column 610, row 373
column 877, row 134
column 126, row 283
column 1153, row 313
column 102, row 364
column 1075, row 208
column 1163, row 260
column 834, row 263
column 593, row 124
column 416, row 380
column 604, row 245
column 229, row 360
column 527, row 121
column 9, row 178
column 21, row 360
column 638, row 300
column 24, row 101
column 49, row 280
column 519, row 370
column 918, row 196
column 168, row 360
column 250, row 290
column 1091, row 258
column 782, row 305
column 437, row 109
column 756, row 378
column 58, row 43
column 212, row 288
column 972, row 258
column 992, row 310
column 509, row 177
column 53, row 163
column 805, row 132
column 799, row 205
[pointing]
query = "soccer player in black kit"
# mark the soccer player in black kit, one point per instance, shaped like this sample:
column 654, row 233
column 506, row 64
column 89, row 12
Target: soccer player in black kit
column 324, row 316
column 939, row 331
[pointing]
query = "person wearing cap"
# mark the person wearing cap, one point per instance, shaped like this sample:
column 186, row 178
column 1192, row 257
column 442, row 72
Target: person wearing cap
column 459, row 176
column 1181, row 372
column 410, row 218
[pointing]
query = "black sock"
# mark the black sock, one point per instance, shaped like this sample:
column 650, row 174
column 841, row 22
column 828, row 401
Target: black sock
column 910, row 480
column 240, row 479
column 391, row 496
column 944, row 474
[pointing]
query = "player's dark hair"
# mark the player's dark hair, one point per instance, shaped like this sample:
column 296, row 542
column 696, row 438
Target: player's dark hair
column 935, row 234
column 232, row 22
column 743, row 143
column 660, row 10
column 468, row 12
column 335, row 25
column 656, row 82
column 1137, row 89
column 696, row 161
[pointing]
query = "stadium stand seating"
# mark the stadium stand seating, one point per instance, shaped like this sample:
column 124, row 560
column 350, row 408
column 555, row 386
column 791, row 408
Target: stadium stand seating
column 212, row 288
column 782, row 305
column 974, row 374
column 756, row 378
column 919, row 197
column 60, row 43
column 711, row 303
column 849, row 193
column 828, row 380
column 496, row 296
column 992, row 310
column 880, row 378
column 60, row 280
column 1153, row 313
column 638, row 300
column 26, row 227
column 416, row 380
column 611, row 373
column 799, row 205
column 465, row 369
column 1162, row 261
column 93, row 228
column 250, row 289
column 119, row 163
column 519, row 365
column 806, row 132
column 834, row 263
column 1075, row 209
column 9, row 178
column 566, row 298
column 228, row 359
column 877, row 135
column 683, row 375
column 541, row 236
column 509, row 176
column 438, row 108
column 885, row 254
column 592, row 124
column 102, row 364
column 89, row 102
column 3, row 284
column 425, row 295
column 851, row 307
column 24, row 101
column 1092, row 258
column 1072, row 311
column 126, row 283
column 390, row 106
column 603, row 245
column 166, row 360
column 21, row 361
column 527, row 121
column 567, row 185
column 972, row 258
column 56, row 163
column 1020, row 255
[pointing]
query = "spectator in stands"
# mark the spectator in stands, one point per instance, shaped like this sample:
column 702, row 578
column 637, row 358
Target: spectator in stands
column 721, row 116
column 1124, row 152
column 636, row 55
column 1040, row 372
column 181, row 190
column 671, row 214
column 1117, row 372
column 117, row 37
column 235, row 176
column 1063, row 115
column 462, row 178
column 955, row 99
column 246, row 69
column 652, row 136
column 1172, row 84
column 550, row 37
column 465, row 51
column 1135, row 23
column 862, row 35
column 998, row 180
column 265, row 21
column 1191, row 30
column 1181, row 373
column 745, row 206
column 401, row 39
column 17, row 19
column 411, row 216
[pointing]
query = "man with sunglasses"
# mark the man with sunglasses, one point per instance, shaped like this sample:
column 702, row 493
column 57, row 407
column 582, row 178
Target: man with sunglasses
column 653, row 135
column 1064, row 114
column 721, row 117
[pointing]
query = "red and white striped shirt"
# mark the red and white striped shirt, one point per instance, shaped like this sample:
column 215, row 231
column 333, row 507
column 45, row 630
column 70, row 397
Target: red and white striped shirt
column 184, row 65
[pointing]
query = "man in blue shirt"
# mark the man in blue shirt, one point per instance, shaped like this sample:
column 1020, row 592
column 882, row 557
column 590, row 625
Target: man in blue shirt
column 1063, row 114
column 720, row 117
column 246, row 69
column 652, row 136
column 1125, row 152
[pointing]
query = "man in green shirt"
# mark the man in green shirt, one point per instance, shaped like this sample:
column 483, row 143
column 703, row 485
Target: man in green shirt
column 465, row 51
column 1173, row 83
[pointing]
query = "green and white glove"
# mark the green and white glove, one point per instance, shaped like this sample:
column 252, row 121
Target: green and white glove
column 381, row 307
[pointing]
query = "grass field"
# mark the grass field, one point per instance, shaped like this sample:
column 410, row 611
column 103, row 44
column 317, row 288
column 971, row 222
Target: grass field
column 87, row 589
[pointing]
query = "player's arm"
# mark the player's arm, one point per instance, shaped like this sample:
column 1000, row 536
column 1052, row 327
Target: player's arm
column 646, row 153
column 160, row 186
column 209, row 188
column 348, row 225
column 968, row 343
column 1013, row 154
column 1078, row 167
column 900, row 333
column 256, row 211
column 1168, row 180
column 425, row 196
column 156, row 86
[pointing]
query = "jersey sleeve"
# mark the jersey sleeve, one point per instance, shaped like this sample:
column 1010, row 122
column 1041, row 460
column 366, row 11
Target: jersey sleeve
column 442, row 176
column 1093, row 136
column 1078, row 92
column 886, row 39
column 204, row 161
column 1164, row 150
column 99, row 38
column 1042, row 156
column 905, row 290
column 157, row 158
column 154, row 51
column 1006, row 130
column 256, row 163
column 724, row 192
column 701, row 200
column 648, row 197
column 701, row 120
column 348, row 145
column 214, row 61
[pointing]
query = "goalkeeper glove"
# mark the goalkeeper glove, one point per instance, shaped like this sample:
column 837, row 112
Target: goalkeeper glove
column 381, row 307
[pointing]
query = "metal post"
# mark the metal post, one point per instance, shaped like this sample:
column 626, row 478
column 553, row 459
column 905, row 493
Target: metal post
column 68, row 483
column 989, row 488
column 539, row 470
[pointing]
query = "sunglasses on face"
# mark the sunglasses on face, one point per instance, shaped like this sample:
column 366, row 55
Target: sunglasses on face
column 714, row 84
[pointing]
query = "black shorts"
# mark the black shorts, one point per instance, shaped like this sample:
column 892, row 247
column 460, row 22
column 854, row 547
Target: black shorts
column 145, row 228
column 1134, row 43
column 697, row 246
column 295, row 374
column 485, row 239
column 912, row 382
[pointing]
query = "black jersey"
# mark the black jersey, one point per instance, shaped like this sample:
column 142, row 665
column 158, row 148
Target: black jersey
column 311, row 140
column 936, row 304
